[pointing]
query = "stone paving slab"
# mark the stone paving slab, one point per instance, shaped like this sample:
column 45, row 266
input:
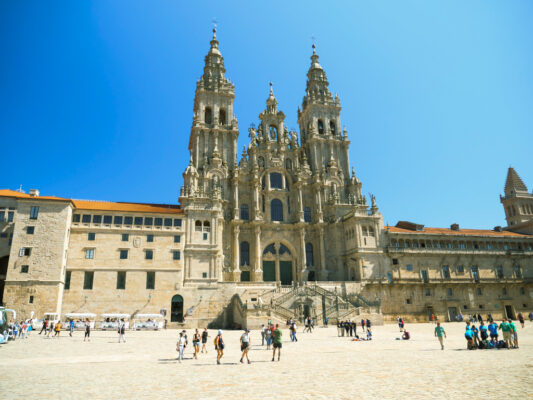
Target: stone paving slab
column 319, row 365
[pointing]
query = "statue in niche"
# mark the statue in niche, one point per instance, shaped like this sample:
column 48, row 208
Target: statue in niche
column 273, row 132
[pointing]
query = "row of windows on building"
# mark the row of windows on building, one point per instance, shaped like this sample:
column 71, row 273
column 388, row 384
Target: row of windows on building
column 406, row 244
column 125, row 237
column 479, row 292
column 124, row 254
column 126, row 220
column 499, row 271
column 276, row 211
column 271, row 249
column 88, row 280
column 525, row 209
column 208, row 116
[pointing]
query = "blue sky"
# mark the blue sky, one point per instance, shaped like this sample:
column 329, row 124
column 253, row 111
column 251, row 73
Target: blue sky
column 96, row 97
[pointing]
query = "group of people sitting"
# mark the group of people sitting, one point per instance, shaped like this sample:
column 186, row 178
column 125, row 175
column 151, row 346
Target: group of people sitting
column 478, row 337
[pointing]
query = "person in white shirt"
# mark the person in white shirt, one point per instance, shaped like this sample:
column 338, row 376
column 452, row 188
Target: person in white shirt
column 181, row 346
column 245, row 345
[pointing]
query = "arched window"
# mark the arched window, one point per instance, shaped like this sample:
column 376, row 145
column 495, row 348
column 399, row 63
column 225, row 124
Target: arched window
column 288, row 164
column 244, row 212
column 307, row 214
column 269, row 249
column 245, row 253
column 276, row 210
column 208, row 115
column 284, row 249
column 222, row 116
column 176, row 309
column 207, row 226
column 309, row 261
column 276, row 181
column 198, row 226
column 320, row 127
column 273, row 132
column 332, row 127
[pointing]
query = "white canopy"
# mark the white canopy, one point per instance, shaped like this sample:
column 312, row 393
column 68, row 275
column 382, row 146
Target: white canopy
column 115, row 316
column 80, row 315
column 50, row 313
column 143, row 316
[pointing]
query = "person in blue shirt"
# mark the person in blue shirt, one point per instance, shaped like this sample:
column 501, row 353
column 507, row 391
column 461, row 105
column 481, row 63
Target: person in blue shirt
column 469, row 335
column 71, row 327
column 493, row 329
column 483, row 331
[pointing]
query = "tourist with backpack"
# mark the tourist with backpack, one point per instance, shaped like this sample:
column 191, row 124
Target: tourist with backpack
column 219, row 346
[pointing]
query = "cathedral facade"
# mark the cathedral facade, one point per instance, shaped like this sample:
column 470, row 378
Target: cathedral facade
column 280, row 230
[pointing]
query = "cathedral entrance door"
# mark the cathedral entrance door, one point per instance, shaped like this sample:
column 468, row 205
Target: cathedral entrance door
column 285, row 272
column 269, row 271
column 176, row 309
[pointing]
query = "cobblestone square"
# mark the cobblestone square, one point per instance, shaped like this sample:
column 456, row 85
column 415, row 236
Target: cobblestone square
column 319, row 365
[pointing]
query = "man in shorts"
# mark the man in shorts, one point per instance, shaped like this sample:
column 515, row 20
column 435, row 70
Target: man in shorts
column 440, row 333
column 245, row 346
column 506, row 330
column 277, row 334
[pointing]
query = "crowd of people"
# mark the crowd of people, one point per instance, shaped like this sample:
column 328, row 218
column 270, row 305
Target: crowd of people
column 349, row 328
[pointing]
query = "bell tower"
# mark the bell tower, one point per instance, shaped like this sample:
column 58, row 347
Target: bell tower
column 325, row 144
column 214, row 132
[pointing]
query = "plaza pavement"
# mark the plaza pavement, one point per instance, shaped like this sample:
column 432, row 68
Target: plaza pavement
column 319, row 365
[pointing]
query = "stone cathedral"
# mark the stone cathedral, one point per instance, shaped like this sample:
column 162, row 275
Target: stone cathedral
column 279, row 231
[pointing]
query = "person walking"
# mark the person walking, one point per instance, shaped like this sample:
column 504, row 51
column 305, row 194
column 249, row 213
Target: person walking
column 58, row 329
column 521, row 319
column 71, row 327
column 268, row 336
column 277, row 335
column 45, row 327
column 219, row 346
column 400, row 323
column 263, row 329
column 350, row 328
column 368, row 324
column 205, row 335
column 122, row 331
column 245, row 345
column 339, row 328
column 196, row 343
column 87, row 331
column 182, row 342
column 326, row 321
column 50, row 328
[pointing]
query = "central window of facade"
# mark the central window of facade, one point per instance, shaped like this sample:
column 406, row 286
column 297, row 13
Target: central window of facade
column 276, row 180
column 276, row 210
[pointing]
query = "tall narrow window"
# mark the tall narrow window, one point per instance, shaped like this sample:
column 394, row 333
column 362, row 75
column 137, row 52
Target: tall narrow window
column 121, row 280
column 499, row 271
column 320, row 127
column 309, row 261
column 475, row 273
column 307, row 214
column 34, row 212
column 425, row 277
column 208, row 115
column 332, row 127
column 245, row 215
column 89, row 254
column 445, row 272
column 245, row 253
column 276, row 210
column 517, row 272
column 176, row 255
column 150, row 280
column 198, row 226
column 222, row 116
column 149, row 254
column 207, row 226
column 68, row 275
column 88, row 280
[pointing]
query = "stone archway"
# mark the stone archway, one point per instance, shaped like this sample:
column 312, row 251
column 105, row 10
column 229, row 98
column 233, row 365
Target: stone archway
column 278, row 264
column 176, row 309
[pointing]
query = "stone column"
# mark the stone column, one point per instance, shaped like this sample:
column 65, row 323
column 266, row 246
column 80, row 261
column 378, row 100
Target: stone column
column 236, row 197
column 323, row 270
column 303, row 257
column 257, row 206
column 257, row 269
column 236, row 253
column 276, row 246
column 300, row 205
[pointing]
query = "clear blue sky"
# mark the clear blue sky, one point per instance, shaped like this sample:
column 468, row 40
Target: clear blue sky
column 96, row 97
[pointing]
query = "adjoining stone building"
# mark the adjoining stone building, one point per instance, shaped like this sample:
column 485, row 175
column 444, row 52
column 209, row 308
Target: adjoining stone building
column 283, row 230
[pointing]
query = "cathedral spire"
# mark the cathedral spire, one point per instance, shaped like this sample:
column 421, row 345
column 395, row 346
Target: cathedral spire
column 514, row 183
column 213, row 77
column 317, row 89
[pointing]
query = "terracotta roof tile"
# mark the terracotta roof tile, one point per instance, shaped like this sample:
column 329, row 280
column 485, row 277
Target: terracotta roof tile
column 460, row 232
column 127, row 207
column 19, row 195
